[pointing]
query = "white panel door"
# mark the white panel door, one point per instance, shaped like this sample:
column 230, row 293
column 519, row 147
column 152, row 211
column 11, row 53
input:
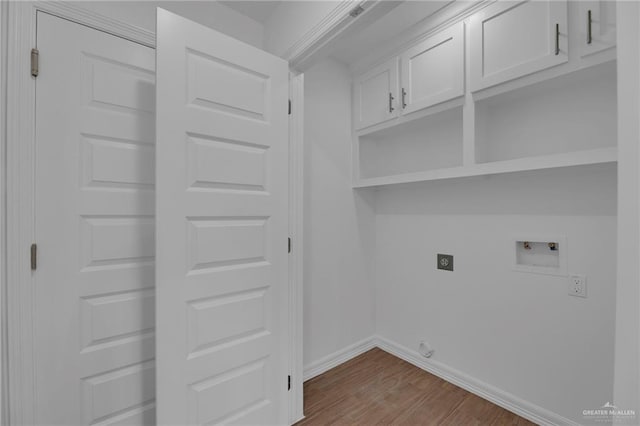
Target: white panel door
column 376, row 94
column 433, row 71
column 511, row 39
column 222, row 220
column 597, row 25
column 94, row 298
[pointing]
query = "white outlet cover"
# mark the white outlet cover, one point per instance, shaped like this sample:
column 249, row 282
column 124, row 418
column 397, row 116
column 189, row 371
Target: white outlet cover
column 578, row 285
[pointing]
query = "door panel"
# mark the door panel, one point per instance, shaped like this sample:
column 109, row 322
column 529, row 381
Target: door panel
column 222, row 220
column 511, row 39
column 602, row 34
column 433, row 71
column 94, row 302
column 376, row 94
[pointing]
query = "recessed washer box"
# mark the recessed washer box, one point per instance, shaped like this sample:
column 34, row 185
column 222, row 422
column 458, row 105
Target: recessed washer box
column 540, row 254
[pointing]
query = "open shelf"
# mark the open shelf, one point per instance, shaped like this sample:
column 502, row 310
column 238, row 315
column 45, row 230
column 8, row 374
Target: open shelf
column 571, row 159
column 432, row 142
column 567, row 114
column 566, row 121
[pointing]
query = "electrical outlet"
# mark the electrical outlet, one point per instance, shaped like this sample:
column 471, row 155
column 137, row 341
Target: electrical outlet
column 445, row 262
column 578, row 285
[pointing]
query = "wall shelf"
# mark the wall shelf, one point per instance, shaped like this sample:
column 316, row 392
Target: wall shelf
column 571, row 159
column 553, row 114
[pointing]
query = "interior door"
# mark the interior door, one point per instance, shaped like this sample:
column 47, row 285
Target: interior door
column 222, row 219
column 94, row 282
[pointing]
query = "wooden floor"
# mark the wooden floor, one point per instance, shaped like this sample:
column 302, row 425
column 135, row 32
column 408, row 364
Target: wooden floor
column 377, row 388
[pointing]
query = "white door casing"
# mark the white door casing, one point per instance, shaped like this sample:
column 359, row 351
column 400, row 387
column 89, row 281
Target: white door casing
column 222, row 228
column 94, row 191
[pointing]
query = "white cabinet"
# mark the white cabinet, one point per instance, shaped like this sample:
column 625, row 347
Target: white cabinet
column 513, row 39
column 520, row 68
column 433, row 70
column 597, row 26
column 432, row 73
column 376, row 95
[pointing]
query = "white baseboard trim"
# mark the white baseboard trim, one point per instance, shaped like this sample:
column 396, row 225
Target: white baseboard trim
column 497, row 396
column 525, row 409
column 338, row 357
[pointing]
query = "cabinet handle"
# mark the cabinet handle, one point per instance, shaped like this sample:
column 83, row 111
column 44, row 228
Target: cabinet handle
column 589, row 38
column 557, row 39
column 404, row 96
column 390, row 102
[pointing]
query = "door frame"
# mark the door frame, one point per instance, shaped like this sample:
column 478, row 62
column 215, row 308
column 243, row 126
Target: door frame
column 296, row 263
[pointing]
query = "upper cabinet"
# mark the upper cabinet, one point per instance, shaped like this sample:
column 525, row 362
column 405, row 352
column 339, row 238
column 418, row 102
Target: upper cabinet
column 433, row 71
column 376, row 94
column 513, row 39
column 597, row 25
column 466, row 98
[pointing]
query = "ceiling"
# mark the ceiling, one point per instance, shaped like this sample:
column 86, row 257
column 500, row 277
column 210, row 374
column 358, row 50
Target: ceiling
column 257, row 10
column 399, row 19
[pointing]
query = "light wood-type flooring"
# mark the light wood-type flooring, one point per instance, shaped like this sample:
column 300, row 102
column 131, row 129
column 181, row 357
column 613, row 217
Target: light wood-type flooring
column 377, row 388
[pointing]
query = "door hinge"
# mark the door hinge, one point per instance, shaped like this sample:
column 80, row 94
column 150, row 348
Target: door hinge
column 35, row 65
column 34, row 257
column 289, row 249
column 289, row 106
column 288, row 382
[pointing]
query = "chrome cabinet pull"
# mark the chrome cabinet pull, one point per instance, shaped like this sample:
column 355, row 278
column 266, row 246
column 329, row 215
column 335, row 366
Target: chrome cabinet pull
column 390, row 102
column 557, row 39
column 404, row 97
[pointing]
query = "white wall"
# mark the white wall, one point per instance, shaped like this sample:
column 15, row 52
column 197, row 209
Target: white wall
column 209, row 13
column 519, row 332
column 291, row 20
column 3, row 240
column 338, row 223
column 627, row 374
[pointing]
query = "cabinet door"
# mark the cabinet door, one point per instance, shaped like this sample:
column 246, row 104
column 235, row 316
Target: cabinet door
column 433, row 71
column 512, row 39
column 597, row 26
column 376, row 94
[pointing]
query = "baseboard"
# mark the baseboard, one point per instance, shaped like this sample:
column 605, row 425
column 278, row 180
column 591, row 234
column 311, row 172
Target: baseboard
column 338, row 357
column 484, row 390
column 497, row 396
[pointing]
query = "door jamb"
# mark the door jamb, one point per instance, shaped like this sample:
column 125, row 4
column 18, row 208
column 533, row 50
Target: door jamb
column 296, row 264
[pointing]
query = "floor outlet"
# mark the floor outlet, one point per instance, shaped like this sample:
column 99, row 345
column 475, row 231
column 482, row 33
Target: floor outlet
column 578, row 285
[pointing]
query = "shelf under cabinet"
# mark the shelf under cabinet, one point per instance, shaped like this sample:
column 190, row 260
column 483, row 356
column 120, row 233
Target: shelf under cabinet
column 570, row 159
